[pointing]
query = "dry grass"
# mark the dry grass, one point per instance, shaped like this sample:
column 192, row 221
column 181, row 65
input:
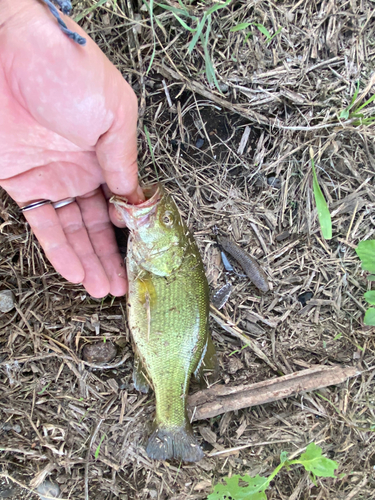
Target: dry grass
column 56, row 410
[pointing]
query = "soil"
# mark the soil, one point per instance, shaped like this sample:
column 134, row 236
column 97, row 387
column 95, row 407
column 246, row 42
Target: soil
column 84, row 426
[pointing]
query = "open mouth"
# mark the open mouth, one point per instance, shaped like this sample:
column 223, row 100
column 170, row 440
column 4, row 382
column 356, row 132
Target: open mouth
column 135, row 216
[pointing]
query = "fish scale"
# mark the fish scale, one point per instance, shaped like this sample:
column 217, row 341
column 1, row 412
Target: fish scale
column 168, row 310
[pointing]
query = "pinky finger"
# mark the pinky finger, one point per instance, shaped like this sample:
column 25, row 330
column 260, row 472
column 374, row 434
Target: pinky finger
column 47, row 228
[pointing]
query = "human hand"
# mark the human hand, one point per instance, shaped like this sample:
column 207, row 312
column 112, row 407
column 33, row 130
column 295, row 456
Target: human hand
column 67, row 129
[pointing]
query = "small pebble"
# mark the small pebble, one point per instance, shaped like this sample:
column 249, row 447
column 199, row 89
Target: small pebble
column 100, row 352
column 223, row 87
column 6, row 301
column 274, row 181
column 10, row 427
column 49, row 489
column 199, row 142
column 8, row 493
column 305, row 297
column 234, row 365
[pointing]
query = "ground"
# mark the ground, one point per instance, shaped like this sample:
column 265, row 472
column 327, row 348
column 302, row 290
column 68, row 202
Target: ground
column 85, row 428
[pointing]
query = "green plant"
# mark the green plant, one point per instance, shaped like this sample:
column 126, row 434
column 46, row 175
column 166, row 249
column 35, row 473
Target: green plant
column 87, row 11
column 353, row 110
column 201, row 32
column 97, row 451
column 323, row 213
column 253, row 488
column 366, row 252
column 261, row 28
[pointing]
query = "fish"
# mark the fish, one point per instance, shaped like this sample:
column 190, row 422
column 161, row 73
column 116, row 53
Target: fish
column 168, row 317
column 251, row 267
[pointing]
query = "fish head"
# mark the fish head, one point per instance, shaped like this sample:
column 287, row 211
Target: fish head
column 158, row 234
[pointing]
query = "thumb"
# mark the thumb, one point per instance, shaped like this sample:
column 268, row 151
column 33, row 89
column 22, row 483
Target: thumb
column 117, row 149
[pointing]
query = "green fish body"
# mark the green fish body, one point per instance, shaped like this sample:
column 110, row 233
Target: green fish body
column 168, row 311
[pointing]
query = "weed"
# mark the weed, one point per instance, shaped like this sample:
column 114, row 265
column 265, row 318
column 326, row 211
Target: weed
column 87, row 11
column 261, row 28
column 312, row 460
column 97, row 451
column 323, row 213
column 353, row 110
column 201, row 32
column 366, row 252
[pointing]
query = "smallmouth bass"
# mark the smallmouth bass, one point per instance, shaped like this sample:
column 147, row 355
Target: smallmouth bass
column 168, row 312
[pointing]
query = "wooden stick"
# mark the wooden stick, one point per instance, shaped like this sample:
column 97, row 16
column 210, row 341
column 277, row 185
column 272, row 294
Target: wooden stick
column 220, row 399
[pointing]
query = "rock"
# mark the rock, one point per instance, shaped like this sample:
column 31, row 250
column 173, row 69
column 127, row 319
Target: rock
column 199, row 142
column 6, row 301
column 99, row 352
column 7, row 493
column 223, row 87
column 274, row 181
column 234, row 365
column 49, row 489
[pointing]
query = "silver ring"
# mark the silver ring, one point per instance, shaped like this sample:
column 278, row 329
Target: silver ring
column 35, row 204
column 63, row 203
column 41, row 203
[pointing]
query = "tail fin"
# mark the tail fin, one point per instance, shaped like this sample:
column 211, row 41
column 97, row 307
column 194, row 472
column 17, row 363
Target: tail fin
column 178, row 443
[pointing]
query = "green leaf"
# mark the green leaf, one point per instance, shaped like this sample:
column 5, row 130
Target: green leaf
column 366, row 252
column 150, row 8
column 183, row 24
column 313, row 461
column 263, row 30
column 210, row 70
column 344, row 114
column 369, row 101
column 197, row 34
column 275, row 34
column 239, row 27
column 174, row 10
column 370, row 297
column 338, row 336
column 283, row 457
column 369, row 318
column 253, row 490
column 97, row 451
column 217, row 6
column 88, row 10
column 355, row 95
column 321, row 205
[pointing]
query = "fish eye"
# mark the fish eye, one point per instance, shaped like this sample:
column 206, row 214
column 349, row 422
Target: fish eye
column 168, row 219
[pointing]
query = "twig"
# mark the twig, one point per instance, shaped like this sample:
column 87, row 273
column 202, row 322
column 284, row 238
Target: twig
column 242, row 110
column 22, row 485
column 220, row 399
column 236, row 332
column 68, row 358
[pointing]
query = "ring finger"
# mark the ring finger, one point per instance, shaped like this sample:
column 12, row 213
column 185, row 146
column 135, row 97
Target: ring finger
column 95, row 281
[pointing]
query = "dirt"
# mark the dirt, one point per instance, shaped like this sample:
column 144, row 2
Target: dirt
column 84, row 427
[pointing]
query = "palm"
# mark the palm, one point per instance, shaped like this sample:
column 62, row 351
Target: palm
column 67, row 128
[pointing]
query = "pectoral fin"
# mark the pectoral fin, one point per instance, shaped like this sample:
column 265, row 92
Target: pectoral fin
column 208, row 362
column 140, row 380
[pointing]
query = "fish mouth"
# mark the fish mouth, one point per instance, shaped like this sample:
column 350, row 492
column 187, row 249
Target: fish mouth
column 139, row 215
